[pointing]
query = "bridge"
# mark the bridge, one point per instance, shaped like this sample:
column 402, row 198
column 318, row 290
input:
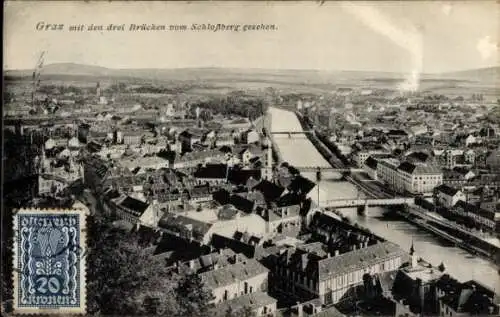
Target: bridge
column 327, row 169
column 363, row 202
column 290, row 133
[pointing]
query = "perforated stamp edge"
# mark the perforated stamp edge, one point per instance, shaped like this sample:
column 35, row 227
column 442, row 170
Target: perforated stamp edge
column 83, row 267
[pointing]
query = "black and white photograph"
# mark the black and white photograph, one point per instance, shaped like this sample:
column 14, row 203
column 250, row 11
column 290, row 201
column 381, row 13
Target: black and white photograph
column 251, row 158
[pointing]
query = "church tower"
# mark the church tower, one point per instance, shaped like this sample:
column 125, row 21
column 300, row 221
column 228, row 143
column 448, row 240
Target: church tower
column 413, row 256
column 98, row 90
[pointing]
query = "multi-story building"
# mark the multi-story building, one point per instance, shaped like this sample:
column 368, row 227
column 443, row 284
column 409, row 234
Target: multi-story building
column 449, row 196
column 260, row 303
column 387, row 172
column 361, row 156
column 483, row 218
column 233, row 281
column 135, row 211
column 419, row 178
column 332, row 278
column 465, row 299
column 415, row 178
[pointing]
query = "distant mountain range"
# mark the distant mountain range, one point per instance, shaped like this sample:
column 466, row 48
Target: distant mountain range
column 491, row 74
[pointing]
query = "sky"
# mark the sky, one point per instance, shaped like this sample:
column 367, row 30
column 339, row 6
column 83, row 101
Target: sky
column 412, row 37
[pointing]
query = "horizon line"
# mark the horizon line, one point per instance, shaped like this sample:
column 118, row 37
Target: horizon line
column 254, row 68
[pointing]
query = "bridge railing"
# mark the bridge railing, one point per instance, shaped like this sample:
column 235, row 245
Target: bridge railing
column 369, row 202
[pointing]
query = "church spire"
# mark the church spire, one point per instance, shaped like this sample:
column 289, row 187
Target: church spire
column 413, row 256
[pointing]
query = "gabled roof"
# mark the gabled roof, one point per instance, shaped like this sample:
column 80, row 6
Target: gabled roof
column 216, row 171
column 186, row 134
column 251, row 300
column 371, row 163
column 289, row 199
column 178, row 223
column 136, row 206
column 241, row 203
column 270, row 191
column 221, row 196
column 447, row 190
column 407, row 167
column 228, row 275
column 418, row 157
column 242, row 176
column 417, row 169
column 359, row 258
column 301, row 184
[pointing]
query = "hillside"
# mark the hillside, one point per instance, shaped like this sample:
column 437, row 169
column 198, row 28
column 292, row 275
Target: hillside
column 489, row 74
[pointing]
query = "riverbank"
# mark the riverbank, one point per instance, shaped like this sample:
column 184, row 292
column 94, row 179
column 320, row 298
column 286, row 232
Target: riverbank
column 299, row 151
column 465, row 241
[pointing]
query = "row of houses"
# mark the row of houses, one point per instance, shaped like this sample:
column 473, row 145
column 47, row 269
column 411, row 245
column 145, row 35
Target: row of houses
column 405, row 176
column 457, row 202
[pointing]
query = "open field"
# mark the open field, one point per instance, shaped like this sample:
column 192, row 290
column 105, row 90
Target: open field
column 219, row 81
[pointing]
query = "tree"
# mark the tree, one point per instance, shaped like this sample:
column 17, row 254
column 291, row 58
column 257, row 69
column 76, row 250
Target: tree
column 245, row 311
column 441, row 267
column 192, row 297
column 122, row 274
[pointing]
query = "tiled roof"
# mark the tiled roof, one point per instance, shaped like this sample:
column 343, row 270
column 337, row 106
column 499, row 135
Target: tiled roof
column 220, row 258
column 447, row 190
column 252, row 301
column 270, row 191
column 221, row 196
column 301, row 184
column 289, row 199
column 242, row 176
column 419, row 169
column 241, row 203
column 213, row 171
column 407, row 167
column 137, row 207
column 357, row 259
column 317, row 248
column 200, row 191
column 371, row 163
column 473, row 298
column 418, row 157
column 230, row 274
column 179, row 223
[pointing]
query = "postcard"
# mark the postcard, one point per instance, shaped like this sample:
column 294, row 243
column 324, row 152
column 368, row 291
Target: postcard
column 247, row 158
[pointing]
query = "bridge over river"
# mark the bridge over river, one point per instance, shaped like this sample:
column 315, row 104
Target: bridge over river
column 297, row 150
column 363, row 202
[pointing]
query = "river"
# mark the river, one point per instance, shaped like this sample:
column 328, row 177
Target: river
column 297, row 150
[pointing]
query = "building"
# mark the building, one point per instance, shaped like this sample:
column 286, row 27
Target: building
column 482, row 218
column 387, row 172
column 419, row 178
column 247, row 154
column 370, row 167
column 135, row 211
column 414, row 287
column 233, row 281
column 361, row 156
column 465, row 299
column 213, row 174
column 448, row 196
column 260, row 303
column 250, row 136
column 132, row 137
column 493, row 160
column 332, row 278
column 371, row 163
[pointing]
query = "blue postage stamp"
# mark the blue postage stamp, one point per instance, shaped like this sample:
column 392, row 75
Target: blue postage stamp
column 49, row 261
